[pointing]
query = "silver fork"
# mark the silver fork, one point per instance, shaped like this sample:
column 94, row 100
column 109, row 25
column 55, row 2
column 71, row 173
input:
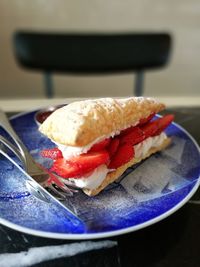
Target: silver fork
column 37, row 172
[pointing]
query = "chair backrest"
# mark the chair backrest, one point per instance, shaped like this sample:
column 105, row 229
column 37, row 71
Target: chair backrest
column 92, row 53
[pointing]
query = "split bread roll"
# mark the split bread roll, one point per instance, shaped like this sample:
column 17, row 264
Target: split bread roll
column 84, row 123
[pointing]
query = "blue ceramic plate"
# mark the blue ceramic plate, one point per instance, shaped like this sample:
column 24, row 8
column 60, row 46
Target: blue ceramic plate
column 145, row 194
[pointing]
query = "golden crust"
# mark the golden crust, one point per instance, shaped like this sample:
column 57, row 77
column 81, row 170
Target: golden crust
column 112, row 176
column 80, row 123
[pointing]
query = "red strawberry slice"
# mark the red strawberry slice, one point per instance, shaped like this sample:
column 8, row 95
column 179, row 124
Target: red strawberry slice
column 80, row 165
column 123, row 155
column 100, row 146
column 65, row 169
column 52, row 153
column 163, row 123
column 126, row 131
column 112, row 148
column 141, row 122
column 150, row 128
column 135, row 136
column 145, row 120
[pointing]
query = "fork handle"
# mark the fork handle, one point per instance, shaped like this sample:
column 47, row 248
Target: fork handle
column 5, row 124
column 13, row 148
column 28, row 160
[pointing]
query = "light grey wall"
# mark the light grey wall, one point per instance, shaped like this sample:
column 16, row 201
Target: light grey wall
column 180, row 17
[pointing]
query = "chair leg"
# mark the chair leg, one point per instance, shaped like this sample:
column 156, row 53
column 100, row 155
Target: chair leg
column 139, row 83
column 48, row 80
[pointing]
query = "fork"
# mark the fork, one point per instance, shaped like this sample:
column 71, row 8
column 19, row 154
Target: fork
column 37, row 172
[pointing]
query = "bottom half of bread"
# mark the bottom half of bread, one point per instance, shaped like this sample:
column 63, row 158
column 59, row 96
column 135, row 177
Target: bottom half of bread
column 112, row 176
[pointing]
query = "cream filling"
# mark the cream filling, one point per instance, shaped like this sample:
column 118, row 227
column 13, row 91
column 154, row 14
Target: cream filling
column 73, row 151
column 142, row 148
column 92, row 181
column 98, row 175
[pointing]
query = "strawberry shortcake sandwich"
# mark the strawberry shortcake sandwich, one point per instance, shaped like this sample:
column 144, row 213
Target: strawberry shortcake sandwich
column 97, row 140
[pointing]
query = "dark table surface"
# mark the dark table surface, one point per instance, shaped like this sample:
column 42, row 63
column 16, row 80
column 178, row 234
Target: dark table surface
column 171, row 242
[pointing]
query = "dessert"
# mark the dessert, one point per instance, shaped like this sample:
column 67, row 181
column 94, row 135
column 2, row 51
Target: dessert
column 97, row 140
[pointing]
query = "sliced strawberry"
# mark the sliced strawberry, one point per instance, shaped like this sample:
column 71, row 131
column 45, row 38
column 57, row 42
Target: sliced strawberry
column 126, row 131
column 123, row 155
column 163, row 123
column 52, row 153
column 135, row 136
column 65, row 169
column 80, row 165
column 100, row 146
column 150, row 128
column 145, row 120
column 112, row 148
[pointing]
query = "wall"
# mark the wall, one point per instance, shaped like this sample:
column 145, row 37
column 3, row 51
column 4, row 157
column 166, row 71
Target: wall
column 181, row 18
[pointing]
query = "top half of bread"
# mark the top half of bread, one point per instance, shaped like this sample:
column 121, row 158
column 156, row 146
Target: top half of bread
column 80, row 123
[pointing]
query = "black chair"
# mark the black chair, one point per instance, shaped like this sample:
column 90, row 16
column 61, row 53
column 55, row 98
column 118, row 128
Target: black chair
column 89, row 53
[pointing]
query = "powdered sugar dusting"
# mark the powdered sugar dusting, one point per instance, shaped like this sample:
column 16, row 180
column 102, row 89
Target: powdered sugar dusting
column 176, row 152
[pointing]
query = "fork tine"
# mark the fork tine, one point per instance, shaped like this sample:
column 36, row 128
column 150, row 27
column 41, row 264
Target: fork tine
column 57, row 192
column 65, row 183
column 65, row 189
column 55, row 179
column 71, row 185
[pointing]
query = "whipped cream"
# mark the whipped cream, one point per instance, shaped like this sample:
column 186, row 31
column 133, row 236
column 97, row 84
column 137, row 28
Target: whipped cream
column 93, row 180
column 72, row 151
column 142, row 148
